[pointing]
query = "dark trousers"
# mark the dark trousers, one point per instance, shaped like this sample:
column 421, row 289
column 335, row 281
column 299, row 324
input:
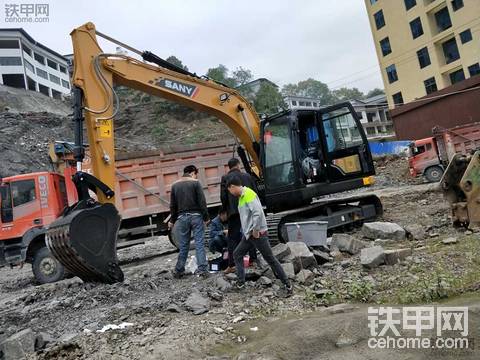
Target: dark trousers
column 234, row 238
column 263, row 246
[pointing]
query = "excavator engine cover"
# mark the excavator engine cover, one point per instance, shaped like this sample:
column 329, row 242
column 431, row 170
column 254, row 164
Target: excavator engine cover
column 84, row 241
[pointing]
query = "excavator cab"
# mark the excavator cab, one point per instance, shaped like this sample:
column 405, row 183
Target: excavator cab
column 309, row 153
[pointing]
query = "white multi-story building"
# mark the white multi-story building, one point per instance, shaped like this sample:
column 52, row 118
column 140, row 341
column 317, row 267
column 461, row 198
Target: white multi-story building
column 27, row 64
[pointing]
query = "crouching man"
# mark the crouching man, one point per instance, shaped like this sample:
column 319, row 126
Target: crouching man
column 254, row 226
column 218, row 232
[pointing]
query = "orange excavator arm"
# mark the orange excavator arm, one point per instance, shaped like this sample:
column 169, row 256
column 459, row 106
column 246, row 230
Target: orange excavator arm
column 95, row 73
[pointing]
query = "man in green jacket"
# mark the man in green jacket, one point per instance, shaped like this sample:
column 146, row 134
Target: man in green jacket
column 255, row 233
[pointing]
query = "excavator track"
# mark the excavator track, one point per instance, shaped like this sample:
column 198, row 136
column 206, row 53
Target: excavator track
column 84, row 241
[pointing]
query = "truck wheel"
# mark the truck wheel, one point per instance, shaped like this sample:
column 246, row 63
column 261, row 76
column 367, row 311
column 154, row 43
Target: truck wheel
column 434, row 173
column 46, row 268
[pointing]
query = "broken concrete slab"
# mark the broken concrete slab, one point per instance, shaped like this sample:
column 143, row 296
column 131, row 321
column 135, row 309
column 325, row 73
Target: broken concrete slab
column 348, row 243
column 372, row 257
column 197, row 303
column 301, row 256
column 394, row 256
column 322, row 257
column 383, row 230
column 280, row 251
column 449, row 241
column 265, row 281
column 43, row 340
column 304, row 276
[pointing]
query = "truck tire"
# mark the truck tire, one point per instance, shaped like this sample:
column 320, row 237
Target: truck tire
column 45, row 267
column 434, row 173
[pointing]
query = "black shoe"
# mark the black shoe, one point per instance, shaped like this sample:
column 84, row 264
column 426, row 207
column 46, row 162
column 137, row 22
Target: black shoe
column 177, row 274
column 287, row 290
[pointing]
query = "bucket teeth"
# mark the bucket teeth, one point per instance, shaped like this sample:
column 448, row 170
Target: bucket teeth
column 92, row 261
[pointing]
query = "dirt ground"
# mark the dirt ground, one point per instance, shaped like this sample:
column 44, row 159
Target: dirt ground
column 257, row 323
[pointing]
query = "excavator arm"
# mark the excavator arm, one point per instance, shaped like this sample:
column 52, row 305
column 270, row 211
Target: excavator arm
column 95, row 73
column 84, row 238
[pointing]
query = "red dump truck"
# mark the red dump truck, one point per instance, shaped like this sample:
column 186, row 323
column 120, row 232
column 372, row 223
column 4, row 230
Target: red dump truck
column 30, row 202
column 430, row 156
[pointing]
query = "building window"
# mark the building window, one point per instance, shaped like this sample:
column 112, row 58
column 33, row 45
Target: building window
column 29, row 66
column 385, row 46
column 294, row 103
column 314, row 104
column 430, row 85
column 9, row 44
column 301, row 103
column 379, row 19
column 42, row 74
column 54, row 79
column 39, row 58
column 63, row 69
column 56, row 94
column 443, row 20
column 450, row 50
column 457, row 76
column 466, row 36
column 45, row 90
column 14, row 80
column 11, row 61
column 457, row 4
column 392, row 73
column 423, row 57
column 410, row 3
column 416, row 27
column 308, row 103
column 52, row 64
column 27, row 49
column 474, row 69
column 31, row 84
column 66, row 84
column 397, row 98
column 359, row 115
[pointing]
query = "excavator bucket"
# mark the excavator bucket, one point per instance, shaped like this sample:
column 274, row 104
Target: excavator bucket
column 84, row 241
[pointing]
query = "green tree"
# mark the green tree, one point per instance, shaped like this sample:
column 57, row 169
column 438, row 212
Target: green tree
column 221, row 75
column 310, row 88
column 176, row 61
column 344, row 94
column 375, row 92
column 242, row 76
column 268, row 100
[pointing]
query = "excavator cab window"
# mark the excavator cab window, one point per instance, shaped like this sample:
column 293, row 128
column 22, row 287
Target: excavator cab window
column 346, row 147
column 279, row 168
column 6, row 204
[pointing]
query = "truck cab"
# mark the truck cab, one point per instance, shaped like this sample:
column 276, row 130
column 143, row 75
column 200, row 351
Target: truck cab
column 423, row 159
column 28, row 204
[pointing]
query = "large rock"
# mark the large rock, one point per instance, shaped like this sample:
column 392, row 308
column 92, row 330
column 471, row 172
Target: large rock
column 18, row 345
column 383, row 230
column 302, row 257
column 304, row 276
column 222, row 284
column 348, row 243
column 372, row 256
column 197, row 303
column 289, row 270
column 394, row 256
column 415, row 232
column 43, row 340
column 280, row 251
column 321, row 256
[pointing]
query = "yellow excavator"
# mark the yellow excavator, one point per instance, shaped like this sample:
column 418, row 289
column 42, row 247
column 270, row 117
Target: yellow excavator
column 297, row 156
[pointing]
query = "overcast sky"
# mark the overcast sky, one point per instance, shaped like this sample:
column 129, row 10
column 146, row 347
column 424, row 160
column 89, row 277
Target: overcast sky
column 284, row 41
